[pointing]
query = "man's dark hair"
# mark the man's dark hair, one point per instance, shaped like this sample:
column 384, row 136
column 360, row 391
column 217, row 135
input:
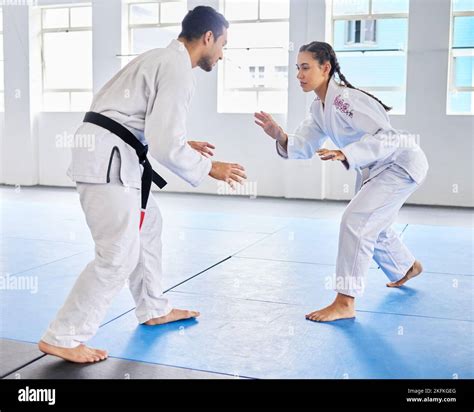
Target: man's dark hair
column 200, row 20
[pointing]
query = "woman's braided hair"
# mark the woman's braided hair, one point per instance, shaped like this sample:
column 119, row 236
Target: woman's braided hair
column 322, row 53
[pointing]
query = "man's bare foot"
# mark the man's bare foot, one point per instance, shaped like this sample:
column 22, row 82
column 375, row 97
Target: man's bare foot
column 79, row 354
column 173, row 316
column 415, row 270
column 341, row 308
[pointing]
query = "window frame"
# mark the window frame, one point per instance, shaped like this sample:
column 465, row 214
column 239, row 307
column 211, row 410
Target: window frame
column 67, row 29
column 222, row 70
column 132, row 26
column 455, row 52
column 366, row 47
column 363, row 24
column 2, row 61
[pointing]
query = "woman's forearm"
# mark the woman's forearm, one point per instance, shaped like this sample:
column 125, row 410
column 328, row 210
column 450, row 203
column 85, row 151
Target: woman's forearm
column 283, row 139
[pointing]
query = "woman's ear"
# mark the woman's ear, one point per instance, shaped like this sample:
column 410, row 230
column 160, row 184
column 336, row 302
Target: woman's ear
column 327, row 68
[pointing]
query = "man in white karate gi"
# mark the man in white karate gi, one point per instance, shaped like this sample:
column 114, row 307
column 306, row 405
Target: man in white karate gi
column 149, row 98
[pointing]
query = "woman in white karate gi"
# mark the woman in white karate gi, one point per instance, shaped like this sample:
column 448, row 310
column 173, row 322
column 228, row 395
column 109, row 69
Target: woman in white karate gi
column 149, row 97
column 390, row 166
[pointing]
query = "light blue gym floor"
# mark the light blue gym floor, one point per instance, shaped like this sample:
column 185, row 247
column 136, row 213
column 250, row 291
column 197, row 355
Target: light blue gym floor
column 253, row 268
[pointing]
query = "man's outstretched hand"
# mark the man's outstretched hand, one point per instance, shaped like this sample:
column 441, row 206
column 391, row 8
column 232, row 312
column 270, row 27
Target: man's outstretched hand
column 202, row 147
column 231, row 173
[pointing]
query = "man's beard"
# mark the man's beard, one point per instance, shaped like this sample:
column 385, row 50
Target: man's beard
column 205, row 63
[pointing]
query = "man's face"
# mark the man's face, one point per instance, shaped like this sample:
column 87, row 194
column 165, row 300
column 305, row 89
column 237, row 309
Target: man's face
column 214, row 50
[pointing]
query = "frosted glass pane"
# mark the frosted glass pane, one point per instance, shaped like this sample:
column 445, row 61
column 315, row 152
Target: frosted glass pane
column 245, row 35
column 463, row 32
column 151, row 38
column 390, row 6
column 81, row 16
column 241, row 9
column 146, row 13
column 81, row 101
column 56, row 102
column 68, row 60
column 461, row 103
column 252, row 68
column 274, row 9
column 464, row 71
column 390, row 34
column 345, row 7
column 55, row 18
column 173, row 12
column 463, row 5
column 237, row 102
column 1, row 49
column 2, row 102
column 273, row 102
column 373, row 70
column 1, row 19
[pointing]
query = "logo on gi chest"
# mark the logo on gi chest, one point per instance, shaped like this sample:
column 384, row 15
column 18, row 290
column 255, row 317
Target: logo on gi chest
column 343, row 106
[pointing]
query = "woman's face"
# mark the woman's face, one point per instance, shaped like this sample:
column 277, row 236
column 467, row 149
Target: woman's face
column 311, row 74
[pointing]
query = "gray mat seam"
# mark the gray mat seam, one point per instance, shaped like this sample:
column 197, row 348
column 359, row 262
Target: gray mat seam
column 298, row 304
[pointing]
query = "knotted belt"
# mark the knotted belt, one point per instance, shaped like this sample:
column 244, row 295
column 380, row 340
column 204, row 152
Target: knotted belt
column 149, row 175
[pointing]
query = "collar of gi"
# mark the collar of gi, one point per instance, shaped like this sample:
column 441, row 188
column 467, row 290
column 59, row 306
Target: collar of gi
column 179, row 46
column 333, row 88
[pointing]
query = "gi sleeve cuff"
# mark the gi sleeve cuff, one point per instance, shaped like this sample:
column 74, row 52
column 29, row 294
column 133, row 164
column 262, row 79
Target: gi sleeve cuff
column 281, row 150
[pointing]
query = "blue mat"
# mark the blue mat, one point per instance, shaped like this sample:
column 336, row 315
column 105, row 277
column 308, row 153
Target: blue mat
column 18, row 255
column 303, row 240
column 430, row 294
column 253, row 305
column 232, row 222
column 194, row 241
column 68, row 224
column 41, row 221
column 271, row 340
column 30, row 311
column 442, row 249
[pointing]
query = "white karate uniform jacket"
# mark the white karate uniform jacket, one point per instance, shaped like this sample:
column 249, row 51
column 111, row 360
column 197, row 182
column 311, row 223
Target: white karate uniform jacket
column 360, row 127
column 151, row 97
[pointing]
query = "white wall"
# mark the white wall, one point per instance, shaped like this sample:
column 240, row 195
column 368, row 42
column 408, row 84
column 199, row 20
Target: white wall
column 447, row 140
column 2, row 133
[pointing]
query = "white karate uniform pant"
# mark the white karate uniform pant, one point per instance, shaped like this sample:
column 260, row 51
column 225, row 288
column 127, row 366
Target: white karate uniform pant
column 366, row 232
column 122, row 253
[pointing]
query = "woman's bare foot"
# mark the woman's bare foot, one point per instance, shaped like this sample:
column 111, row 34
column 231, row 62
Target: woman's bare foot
column 79, row 354
column 341, row 308
column 173, row 316
column 415, row 270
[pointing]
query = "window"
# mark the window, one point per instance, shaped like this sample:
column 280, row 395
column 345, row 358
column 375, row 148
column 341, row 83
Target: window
column 370, row 40
column 153, row 24
column 254, row 73
column 461, row 61
column 2, row 81
column 66, row 41
column 360, row 32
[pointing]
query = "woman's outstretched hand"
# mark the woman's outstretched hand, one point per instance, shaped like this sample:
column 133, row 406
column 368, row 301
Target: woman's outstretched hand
column 325, row 154
column 270, row 127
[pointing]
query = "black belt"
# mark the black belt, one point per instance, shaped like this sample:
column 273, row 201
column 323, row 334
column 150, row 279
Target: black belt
column 149, row 175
